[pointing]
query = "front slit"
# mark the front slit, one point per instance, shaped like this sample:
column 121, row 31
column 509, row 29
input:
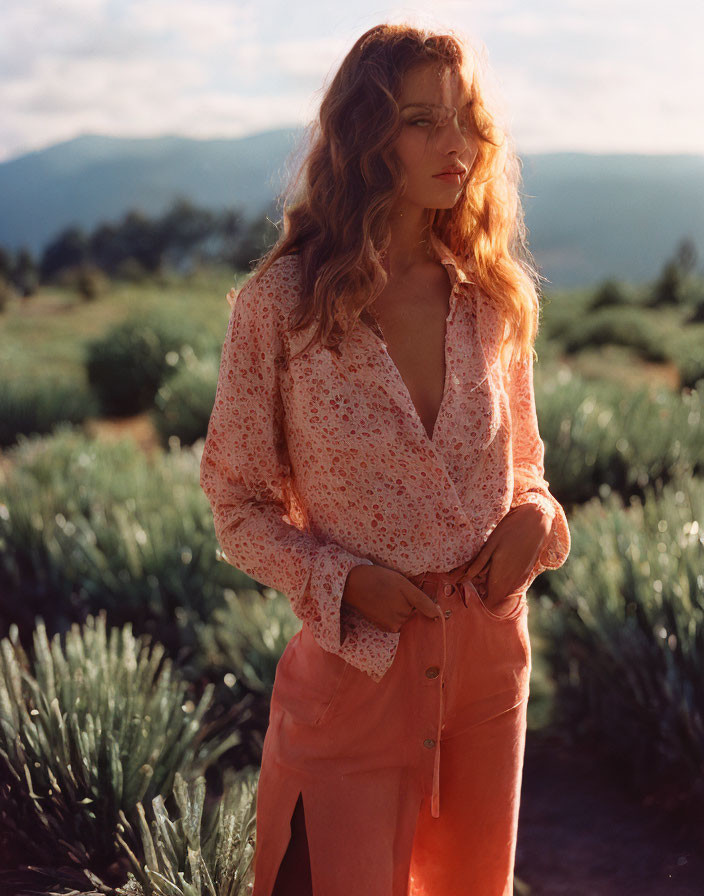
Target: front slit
column 293, row 877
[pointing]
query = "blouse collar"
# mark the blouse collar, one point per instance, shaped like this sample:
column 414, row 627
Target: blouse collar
column 449, row 259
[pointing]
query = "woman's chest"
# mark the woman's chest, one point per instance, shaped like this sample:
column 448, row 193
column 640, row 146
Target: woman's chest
column 359, row 405
column 411, row 325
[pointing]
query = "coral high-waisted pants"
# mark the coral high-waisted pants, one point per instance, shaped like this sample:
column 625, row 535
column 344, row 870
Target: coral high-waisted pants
column 410, row 785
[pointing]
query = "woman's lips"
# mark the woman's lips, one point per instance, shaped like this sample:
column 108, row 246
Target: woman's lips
column 450, row 178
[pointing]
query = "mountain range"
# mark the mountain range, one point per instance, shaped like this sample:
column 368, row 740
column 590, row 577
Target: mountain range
column 589, row 216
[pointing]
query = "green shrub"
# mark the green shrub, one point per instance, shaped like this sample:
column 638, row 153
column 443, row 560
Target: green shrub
column 610, row 293
column 184, row 403
column 130, row 362
column 246, row 637
column 621, row 325
column 37, row 406
column 624, row 620
column 206, row 850
column 669, row 287
column 6, row 293
column 599, row 438
column 86, row 279
column 91, row 283
column 687, row 350
column 87, row 525
column 89, row 728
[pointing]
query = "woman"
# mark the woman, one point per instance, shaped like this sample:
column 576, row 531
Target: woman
column 373, row 453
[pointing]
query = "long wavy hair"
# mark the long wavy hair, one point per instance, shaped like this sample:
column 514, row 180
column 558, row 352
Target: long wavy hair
column 336, row 205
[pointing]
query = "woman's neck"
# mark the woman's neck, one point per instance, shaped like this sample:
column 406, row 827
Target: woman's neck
column 410, row 241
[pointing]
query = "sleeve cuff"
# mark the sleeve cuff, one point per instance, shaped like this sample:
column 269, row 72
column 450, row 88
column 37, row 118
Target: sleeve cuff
column 542, row 501
column 338, row 627
column 557, row 542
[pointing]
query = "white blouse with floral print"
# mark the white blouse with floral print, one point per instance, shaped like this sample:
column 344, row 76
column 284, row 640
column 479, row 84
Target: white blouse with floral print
column 318, row 463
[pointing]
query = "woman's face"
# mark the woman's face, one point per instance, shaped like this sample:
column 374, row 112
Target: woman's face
column 428, row 97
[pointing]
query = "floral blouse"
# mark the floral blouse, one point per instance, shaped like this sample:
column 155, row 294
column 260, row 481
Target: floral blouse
column 317, row 463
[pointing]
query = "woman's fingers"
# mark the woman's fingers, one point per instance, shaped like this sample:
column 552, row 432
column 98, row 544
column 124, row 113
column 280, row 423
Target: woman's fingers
column 419, row 600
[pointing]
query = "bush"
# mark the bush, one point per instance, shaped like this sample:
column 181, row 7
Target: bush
column 130, row 362
column 86, row 526
column 246, row 637
column 89, row 729
column 688, row 354
column 6, row 293
column 38, row 406
column 86, row 279
column 184, row 403
column 599, row 439
column 209, row 851
column 625, row 627
column 629, row 326
column 131, row 270
column 669, row 288
column 610, row 293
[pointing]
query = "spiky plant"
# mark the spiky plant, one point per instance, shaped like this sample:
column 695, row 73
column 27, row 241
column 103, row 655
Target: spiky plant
column 594, row 433
column 625, row 626
column 86, row 731
column 86, row 526
column 201, row 852
column 248, row 635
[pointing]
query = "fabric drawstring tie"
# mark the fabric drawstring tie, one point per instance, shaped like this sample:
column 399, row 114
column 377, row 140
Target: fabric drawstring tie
column 451, row 581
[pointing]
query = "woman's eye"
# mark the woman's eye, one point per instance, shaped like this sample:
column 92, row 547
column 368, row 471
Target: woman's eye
column 465, row 124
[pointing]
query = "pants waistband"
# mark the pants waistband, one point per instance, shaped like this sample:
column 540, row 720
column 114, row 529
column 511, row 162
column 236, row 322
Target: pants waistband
column 437, row 580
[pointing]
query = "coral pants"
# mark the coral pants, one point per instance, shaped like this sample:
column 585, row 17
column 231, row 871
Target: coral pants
column 411, row 785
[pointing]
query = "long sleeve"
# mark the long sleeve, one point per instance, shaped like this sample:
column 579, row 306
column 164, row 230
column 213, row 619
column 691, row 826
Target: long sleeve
column 530, row 485
column 246, row 476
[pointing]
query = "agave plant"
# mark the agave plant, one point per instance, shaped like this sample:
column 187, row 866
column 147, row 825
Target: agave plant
column 86, row 526
column 239, row 650
column 199, row 852
column 600, row 438
column 87, row 730
column 625, row 622
column 247, row 636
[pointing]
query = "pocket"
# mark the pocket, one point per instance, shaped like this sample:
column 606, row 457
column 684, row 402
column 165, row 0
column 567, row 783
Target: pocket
column 508, row 631
column 309, row 680
column 510, row 608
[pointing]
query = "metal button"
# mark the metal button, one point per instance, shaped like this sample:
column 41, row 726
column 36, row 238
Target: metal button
column 448, row 589
column 429, row 743
column 432, row 672
column 448, row 613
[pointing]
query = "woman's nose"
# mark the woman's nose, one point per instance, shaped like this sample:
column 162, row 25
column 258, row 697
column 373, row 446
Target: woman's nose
column 452, row 137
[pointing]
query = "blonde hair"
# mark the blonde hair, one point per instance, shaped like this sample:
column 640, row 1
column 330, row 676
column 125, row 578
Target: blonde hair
column 336, row 206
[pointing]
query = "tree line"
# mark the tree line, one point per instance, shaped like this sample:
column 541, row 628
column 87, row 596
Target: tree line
column 183, row 237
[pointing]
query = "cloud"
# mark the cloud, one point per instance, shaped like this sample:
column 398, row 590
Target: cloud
column 574, row 73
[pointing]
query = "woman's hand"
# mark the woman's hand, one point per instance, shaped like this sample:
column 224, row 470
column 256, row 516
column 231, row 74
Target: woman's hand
column 385, row 596
column 507, row 557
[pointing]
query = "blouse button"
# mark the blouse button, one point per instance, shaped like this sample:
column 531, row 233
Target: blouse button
column 448, row 589
column 429, row 743
column 448, row 613
column 432, row 672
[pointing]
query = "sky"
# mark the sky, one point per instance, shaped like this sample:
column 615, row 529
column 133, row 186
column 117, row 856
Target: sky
column 572, row 75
